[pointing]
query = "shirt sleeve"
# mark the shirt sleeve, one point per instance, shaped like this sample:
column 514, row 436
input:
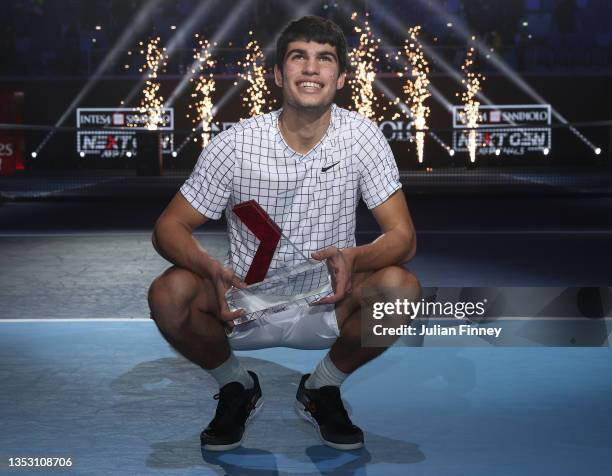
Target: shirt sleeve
column 378, row 174
column 209, row 186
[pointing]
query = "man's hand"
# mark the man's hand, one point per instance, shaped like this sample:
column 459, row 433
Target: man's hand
column 223, row 279
column 340, row 266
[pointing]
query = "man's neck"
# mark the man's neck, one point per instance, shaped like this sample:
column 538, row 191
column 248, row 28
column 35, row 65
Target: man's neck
column 301, row 129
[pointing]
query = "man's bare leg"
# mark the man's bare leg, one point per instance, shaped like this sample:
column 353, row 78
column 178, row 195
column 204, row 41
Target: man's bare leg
column 184, row 308
column 387, row 284
column 318, row 396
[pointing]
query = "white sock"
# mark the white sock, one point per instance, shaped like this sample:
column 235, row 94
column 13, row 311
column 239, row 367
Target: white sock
column 231, row 371
column 326, row 373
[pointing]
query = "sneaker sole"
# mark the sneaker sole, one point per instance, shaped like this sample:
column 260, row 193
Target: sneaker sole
column 232, row 446
column 301, row 411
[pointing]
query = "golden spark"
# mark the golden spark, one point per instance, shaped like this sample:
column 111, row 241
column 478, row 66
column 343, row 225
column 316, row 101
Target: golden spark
column 152, row 103
column 416, row 86
column 204, row 86
column 254, row 72
column 472, row 83
column 363, row 61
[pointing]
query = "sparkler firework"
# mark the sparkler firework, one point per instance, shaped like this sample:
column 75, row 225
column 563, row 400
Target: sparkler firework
column 416, row 86
column 471, row 106
column 152, row 103
column 204, row 86
column 363, row 61
column 254, row 70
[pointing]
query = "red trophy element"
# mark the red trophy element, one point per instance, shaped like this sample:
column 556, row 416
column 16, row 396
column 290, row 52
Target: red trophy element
column 269, row 234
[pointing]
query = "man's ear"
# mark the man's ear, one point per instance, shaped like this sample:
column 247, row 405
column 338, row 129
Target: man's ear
column 340, row 81
column 278, row 76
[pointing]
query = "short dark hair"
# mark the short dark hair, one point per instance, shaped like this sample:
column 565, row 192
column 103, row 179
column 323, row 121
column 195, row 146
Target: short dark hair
column 313, row 28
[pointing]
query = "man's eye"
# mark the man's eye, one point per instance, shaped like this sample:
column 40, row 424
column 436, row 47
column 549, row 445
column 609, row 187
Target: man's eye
column 325, row 58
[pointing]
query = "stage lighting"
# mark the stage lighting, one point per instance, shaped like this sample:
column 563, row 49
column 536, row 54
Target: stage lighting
column 174, row 154
column 496, row 61
column 98, row 27
column 128, row 154
column 449, row 25
column 497, row 152
column 451, row 152
column 33, row 154
column 82, row 154
column 173, row 27
column 598, row 151
column 546, row 151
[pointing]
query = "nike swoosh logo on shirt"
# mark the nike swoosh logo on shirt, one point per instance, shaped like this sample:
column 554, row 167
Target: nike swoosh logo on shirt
column 325, row 169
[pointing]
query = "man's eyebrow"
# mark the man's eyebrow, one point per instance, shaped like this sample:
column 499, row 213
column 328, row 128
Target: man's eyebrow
column 296, row 50
column 320, row 53
column 327, row 53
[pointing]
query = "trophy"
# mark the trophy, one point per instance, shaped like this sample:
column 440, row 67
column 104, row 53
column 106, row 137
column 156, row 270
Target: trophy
column 289, row 287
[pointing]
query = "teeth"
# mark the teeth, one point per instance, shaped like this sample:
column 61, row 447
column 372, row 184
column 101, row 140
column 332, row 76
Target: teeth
column 308, row 84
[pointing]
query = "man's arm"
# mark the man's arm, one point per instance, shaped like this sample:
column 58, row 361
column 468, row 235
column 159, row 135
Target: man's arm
column 173, row 238
column 395, row 246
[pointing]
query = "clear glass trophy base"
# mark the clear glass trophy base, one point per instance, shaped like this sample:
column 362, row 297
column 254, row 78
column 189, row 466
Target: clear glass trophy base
column 298, row 285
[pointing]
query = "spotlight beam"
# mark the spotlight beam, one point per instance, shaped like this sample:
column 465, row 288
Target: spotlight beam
column 498, row 62
column 299, row 12
column 109, row 60
column 437, row 95
column 226, row 27
column 185, row 30
column 391, row 20
column 406, row 110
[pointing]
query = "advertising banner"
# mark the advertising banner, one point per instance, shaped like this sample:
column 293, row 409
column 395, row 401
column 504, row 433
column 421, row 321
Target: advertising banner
column 112, row 132
column 497, row 129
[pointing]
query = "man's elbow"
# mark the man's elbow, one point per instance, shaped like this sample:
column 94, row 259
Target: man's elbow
column 411, row 247
column 156, row 236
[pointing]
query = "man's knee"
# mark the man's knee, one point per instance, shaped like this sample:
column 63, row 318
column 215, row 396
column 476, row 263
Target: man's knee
column 390, row 283
column 171, row 295
column 397, row 277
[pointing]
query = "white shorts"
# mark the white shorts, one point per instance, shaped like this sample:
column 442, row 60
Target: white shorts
column 304, row 327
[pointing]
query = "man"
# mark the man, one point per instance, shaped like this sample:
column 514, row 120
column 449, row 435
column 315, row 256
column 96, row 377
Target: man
column 306, row 165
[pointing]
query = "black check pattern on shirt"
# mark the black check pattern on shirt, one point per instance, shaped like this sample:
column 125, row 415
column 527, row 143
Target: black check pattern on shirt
column 314, row 208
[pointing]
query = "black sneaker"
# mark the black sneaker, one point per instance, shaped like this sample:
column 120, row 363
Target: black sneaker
column 323, row 407
column 235, row 409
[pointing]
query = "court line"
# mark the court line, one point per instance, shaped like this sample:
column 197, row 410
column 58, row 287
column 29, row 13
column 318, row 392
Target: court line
column 434, row 319
column 419, row 232
column 81, row 319
column 101, row 233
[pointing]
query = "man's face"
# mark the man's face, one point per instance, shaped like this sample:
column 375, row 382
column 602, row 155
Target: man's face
column 310, row 76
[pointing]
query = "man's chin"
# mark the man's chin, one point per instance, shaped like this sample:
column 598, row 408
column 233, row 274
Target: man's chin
column 313, row 105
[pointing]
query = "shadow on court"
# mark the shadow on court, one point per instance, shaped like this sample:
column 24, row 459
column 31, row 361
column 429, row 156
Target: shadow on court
column 276, row 438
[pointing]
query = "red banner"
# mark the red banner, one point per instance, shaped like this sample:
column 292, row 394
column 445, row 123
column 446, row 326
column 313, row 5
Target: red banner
column 11, row 142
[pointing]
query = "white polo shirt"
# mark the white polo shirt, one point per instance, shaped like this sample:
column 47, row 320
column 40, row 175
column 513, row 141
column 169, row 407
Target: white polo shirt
column 313, row 198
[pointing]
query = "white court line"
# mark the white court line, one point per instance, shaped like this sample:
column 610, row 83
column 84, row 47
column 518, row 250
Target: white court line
column 419, row 232
column 435, row 319
column 82, row 319
column 101, row 233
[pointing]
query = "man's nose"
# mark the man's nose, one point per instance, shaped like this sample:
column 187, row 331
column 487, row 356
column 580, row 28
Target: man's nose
column 311, row 66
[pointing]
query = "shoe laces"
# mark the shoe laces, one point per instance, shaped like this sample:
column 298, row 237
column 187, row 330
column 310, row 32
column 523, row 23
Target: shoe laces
column 230, row 403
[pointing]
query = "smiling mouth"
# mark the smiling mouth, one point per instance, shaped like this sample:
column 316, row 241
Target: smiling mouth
column 310, row 85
